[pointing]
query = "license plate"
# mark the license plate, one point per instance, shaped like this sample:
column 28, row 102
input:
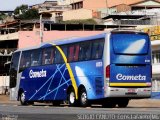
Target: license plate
column 131, row 91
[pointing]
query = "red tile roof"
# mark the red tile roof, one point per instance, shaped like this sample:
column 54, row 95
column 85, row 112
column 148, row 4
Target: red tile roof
column 8, row 23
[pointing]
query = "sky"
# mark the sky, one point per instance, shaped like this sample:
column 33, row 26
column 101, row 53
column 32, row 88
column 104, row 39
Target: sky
column 12, row 4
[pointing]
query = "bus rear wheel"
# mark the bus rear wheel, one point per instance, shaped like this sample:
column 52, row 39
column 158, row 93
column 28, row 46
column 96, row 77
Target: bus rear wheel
column 71, row 97
column 83, row 98
column 123, row 103
column 23, row 98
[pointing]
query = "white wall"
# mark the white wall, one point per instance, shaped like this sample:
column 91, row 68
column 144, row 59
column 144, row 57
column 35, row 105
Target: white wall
column 4, row 82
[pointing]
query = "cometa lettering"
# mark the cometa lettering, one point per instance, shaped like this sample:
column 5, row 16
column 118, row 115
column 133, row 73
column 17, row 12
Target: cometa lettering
column 131, row 77
column 37, row 74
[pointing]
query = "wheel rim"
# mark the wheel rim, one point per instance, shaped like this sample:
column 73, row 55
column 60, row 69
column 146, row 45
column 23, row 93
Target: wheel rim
column 72, row 97
column 22, row 97
column 84, row 98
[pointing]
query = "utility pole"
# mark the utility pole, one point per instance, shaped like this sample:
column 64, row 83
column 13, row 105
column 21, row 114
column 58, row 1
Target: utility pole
column 41, row 28
column 107, row 7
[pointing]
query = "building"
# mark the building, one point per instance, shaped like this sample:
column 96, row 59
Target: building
column 6, row 16
column 154, row 33
column 84, row 9
column 53, row 8
column 156, row 65
column 56, row 12
column 45, row 5
column 134, row 13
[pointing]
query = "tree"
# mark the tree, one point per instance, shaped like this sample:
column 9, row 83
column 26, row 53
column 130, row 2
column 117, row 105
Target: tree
column 30, row 14
column 23, row 12
column 21, row 9
column 80, row 21
column 2, row 16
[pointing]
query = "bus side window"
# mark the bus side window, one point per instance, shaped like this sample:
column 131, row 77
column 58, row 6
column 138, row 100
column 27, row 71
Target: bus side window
column 73, row 53
column 85, row 51
column 58, row 57
column 97, row 49
column 47, row 56
column 76, row 53
column 35, row 57
column 64, row 49
column 25, row 60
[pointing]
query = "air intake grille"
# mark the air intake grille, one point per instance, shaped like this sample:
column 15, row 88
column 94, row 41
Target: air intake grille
column 98, row 85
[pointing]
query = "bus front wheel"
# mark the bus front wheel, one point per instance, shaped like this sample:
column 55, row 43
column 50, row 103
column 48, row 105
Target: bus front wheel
column 23, row 99
column 71, row 97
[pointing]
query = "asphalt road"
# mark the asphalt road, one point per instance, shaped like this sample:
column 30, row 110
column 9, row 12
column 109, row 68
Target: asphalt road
column 145, row 110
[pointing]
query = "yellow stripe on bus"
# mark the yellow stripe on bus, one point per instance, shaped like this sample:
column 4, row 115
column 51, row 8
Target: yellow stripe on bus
column 69, row 70
column 128, row 84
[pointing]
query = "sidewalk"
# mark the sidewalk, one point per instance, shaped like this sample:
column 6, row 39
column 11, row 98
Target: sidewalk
column 150, row 103
column 4, row 98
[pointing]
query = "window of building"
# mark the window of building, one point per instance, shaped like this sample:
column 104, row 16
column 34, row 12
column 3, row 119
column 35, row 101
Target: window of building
column 77, row 5
column 81, row 4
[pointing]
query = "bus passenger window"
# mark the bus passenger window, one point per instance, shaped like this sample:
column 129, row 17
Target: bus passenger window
column 35, row 57
column 64, row 49
column 85, row 51
column 97, row 50
column 47, row 56
column 25, row 60
column 71, row 54
column 58, row 57
column 27, row 64
column 76, row 53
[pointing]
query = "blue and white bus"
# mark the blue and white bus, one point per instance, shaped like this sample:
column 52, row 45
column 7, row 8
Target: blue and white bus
column 109, row 68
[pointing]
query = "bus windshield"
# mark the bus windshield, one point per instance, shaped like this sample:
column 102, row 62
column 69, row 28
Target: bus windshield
column 130, row 43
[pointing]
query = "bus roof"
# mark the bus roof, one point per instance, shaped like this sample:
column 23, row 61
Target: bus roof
column 64, row 41
column 78, row 39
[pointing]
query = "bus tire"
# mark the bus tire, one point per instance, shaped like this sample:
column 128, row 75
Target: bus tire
column 123, row 103
column 72, row 97
column 83, row 98
column 22, row 98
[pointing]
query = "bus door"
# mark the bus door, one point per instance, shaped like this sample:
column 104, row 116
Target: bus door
column 14, row 75
column 130, row 60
